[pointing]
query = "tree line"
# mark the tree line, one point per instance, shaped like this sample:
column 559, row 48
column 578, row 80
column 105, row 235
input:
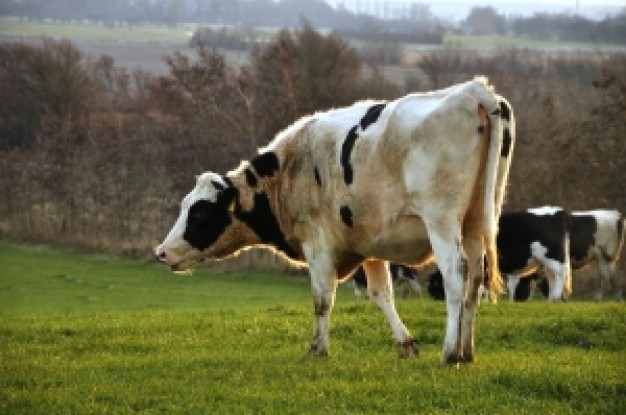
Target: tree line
column 547, row 26
column 95, row 156
column 417, row 25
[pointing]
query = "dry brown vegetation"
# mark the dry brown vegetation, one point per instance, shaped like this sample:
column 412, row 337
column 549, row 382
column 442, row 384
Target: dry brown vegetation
column 94, row 156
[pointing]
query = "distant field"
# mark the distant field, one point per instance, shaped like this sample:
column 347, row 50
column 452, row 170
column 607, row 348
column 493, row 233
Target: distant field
column 140, row 47
column 143, row 47
column 99, row 334
column 143, row 33
column 503, row 42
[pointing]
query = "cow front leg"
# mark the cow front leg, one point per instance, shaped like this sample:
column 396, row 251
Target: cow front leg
column 321, row 339
column 380, row 290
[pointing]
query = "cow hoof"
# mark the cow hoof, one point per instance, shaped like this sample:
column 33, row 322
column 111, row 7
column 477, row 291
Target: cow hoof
column 453, row 359
column 314, row 351
column 467, row 358
column 408, row 349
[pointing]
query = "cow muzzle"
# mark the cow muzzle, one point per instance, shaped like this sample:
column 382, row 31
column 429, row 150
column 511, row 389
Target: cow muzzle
column 165, row 257
column 173, row 261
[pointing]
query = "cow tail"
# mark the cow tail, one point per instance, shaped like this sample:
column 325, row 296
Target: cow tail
column 567, row 262
column 501, row 142
column 621, row 224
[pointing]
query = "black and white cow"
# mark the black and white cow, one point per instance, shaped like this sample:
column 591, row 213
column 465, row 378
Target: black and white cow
column 535, row 239
column 401, row 275
column 396, row 181
column 594, row 236
column 529, row 241
column 522, row 291
column 598, row 236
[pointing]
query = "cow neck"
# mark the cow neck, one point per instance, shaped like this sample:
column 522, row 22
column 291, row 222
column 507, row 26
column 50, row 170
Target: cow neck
column 261, row 218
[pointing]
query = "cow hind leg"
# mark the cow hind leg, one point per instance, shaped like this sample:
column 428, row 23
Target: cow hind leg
column 452, row 261
column 380, row 289
column 474, row 248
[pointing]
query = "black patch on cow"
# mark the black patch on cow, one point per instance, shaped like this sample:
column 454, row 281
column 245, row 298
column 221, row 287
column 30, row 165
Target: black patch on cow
column 265, row 164
column 250, row 178
column 206, row 221
column 518, row 230
column 228, row 182
column 505, row 111
column 506, row 143
column 481, row 129
column 583, row 229
column 217, row 185
column 371, row 115
column 321, row 307
column 359, row 278
column 317, row 176
column 262, row 221
column 435, row 286
column 523, row 289
column 346, row 151
column 346, row 215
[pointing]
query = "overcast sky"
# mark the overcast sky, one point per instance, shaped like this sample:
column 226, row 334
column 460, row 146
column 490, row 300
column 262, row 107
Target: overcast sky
column 458, row 9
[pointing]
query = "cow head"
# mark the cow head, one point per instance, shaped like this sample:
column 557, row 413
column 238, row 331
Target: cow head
column 206, row 214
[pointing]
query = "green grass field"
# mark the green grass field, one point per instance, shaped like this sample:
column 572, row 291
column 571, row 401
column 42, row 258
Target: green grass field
column 98, row 334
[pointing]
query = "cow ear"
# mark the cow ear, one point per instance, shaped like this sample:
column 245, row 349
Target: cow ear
column 228, row 198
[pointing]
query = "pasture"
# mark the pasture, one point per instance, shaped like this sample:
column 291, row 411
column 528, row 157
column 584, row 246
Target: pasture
column 100, row 334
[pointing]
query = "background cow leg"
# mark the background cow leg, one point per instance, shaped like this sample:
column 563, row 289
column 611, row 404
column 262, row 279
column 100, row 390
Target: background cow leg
column 324, row 286
column 616, row 282
column 512, row 281
column 549, row 275
column 474, row 248
column 607, row 276
column 452, row 262
column 380, row 289
column 560, row 272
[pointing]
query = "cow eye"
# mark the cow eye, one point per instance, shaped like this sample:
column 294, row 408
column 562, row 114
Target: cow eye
column 199, row 214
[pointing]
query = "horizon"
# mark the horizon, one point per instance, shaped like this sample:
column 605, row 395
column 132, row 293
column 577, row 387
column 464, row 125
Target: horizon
column 456, row 10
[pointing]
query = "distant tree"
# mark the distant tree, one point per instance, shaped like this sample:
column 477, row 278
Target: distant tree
column 297, row 74
column 43, row 88
column 484, row 21
column 206, row 106
column 420, row 12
